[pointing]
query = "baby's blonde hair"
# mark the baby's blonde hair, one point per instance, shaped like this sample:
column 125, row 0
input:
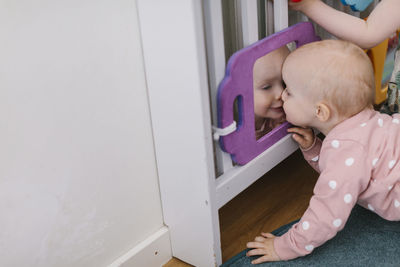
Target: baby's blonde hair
column 341, row 74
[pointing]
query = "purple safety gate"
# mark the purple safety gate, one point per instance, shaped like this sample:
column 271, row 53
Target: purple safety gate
column 238, row 84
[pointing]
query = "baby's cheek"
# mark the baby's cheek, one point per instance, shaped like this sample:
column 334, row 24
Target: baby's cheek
column 257, row 104
column 259, row 110
column 260, row 102
column 284, row 107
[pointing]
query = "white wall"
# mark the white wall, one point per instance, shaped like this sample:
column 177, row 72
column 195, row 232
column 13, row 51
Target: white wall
column 78, row 181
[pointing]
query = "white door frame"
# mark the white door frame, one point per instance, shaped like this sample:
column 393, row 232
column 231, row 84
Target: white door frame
column 176, row 72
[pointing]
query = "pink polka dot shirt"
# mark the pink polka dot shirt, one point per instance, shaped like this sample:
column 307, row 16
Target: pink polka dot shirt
column 358, row 162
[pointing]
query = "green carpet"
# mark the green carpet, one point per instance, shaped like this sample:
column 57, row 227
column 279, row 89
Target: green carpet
column 366, row 240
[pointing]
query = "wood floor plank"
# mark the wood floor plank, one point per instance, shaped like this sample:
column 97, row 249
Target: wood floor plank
column 279, row 197
column 174, row 262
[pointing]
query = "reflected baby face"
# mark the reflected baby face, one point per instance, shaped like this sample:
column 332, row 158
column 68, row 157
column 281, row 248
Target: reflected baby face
column 268, row 86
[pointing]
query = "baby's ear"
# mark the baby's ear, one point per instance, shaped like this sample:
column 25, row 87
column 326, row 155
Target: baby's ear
column 323, row 112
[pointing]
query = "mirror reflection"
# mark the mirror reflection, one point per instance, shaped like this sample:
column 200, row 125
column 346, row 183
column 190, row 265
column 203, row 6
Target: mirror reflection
column 268, row 87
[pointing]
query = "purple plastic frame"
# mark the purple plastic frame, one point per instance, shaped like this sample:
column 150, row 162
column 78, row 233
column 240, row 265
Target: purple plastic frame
column 238, row 84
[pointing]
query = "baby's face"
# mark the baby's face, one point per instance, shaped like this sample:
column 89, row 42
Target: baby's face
column 268, row 86
column 297, row 103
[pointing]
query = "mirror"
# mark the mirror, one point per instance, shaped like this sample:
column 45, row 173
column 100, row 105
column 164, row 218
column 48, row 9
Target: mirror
column 268, row 87
column 237, row 85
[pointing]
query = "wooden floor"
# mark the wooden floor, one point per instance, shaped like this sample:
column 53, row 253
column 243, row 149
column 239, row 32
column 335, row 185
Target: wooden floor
column 277, row 198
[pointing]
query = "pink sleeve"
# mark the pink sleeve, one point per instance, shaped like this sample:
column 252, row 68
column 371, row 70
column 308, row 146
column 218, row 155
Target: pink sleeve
column 344, row 174
column 311, row 155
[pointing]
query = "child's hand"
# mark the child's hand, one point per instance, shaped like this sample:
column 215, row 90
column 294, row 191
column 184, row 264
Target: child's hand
column 303, row 136
column 264, row 246
column 300, row 5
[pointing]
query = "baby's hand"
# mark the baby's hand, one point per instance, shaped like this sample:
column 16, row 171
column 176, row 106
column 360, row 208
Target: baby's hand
column 264, row 246
column 303, row 136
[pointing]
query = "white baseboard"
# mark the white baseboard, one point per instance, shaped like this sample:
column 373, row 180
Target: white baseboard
column 155, row 251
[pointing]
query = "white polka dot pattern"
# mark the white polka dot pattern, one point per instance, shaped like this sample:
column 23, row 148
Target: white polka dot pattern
column 335, row 144
column 315, row 158
column 370, row 207
column 347, row 198
column 374, row 161
column 391, row 164
column 309, row 247
column 396, row 203
column 332, row 184
column 396, row 121
column 337, row 223
column 363, row 124
column 305, row 225
column 349, row 161
column 380, row 122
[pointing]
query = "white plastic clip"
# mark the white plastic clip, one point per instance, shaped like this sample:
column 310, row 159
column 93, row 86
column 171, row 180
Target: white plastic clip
column 225, row 131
